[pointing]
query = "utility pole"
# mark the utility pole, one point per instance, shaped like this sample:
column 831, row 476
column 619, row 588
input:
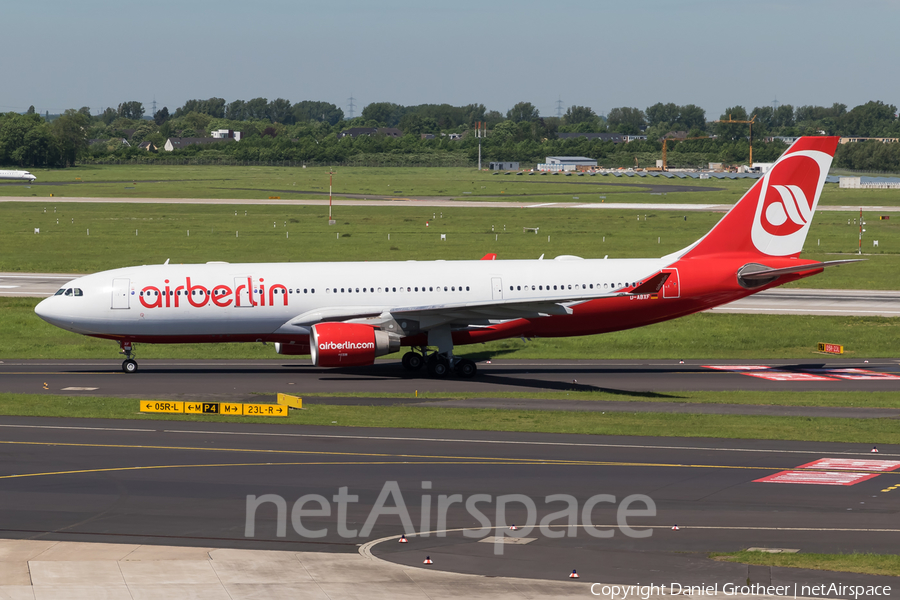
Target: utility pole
column 352, row 106
column 479, row 134
column 861, row 231
column 559, row 110
column 330, row 182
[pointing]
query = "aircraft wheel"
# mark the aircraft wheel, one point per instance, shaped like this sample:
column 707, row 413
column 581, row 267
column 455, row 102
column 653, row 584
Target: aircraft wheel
column 413, row 361
column 466, row 368
column 129, row 366
column 438, row 368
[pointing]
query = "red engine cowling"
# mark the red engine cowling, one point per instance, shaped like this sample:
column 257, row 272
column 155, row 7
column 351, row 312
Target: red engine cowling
column 349, row 344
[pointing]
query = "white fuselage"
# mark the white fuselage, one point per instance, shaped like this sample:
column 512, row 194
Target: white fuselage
column 20, row 175
column 258, row 299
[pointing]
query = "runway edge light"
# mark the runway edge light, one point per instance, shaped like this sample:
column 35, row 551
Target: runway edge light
column 573, row 574
column 290, row 401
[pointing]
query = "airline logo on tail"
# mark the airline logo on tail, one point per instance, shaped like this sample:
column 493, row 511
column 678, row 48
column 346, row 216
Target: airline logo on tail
column 787, row 200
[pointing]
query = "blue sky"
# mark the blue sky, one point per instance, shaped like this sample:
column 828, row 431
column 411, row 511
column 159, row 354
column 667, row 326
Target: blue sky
column 601, row 54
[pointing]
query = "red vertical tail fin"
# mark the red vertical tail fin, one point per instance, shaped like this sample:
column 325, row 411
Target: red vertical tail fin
column 773, row 218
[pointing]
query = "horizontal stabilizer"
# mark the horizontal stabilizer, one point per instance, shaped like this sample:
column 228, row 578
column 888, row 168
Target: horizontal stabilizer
column 769, row 273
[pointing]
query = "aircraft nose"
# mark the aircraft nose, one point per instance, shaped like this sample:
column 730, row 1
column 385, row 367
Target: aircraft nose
column 45, row 309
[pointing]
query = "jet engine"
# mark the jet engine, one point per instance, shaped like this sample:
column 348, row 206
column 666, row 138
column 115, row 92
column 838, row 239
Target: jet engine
column 292, row 349
column 349, row 344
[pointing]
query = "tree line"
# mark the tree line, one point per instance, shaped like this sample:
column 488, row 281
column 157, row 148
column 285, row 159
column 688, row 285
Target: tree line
column 310, row 131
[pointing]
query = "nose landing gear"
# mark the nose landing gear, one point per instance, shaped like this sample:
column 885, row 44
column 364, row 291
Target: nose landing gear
column 129, row 365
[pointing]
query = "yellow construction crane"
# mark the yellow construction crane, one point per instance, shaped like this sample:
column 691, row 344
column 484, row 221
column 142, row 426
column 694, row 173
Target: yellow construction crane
column 750, row 122
column 665, row 165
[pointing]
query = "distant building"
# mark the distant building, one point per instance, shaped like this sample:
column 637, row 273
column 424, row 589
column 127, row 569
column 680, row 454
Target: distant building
column 635, row 138
column 427, row 136
column 110, row 142
column 354, row 132
column 856, row 183
column 226, row 134
column 615, row 138
column 148, row 146
column 504, row 166
column 179, row 143
column 578, row 161
column 785, row 139
column 558, row 164
column 883, row 140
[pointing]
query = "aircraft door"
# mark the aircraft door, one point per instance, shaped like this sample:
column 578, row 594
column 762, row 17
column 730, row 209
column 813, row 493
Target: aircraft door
column 672, row 287
column 496, row 288
column 243, row 292
column 120, row 296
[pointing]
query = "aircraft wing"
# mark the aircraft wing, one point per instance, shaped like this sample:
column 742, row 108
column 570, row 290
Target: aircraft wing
column 467, row 313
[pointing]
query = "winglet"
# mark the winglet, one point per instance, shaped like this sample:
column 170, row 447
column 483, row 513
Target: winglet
column 490, row 256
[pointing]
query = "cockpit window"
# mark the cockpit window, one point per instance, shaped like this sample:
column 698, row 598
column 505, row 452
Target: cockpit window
column 69, row 292
column 60, row 292
column 78, row 292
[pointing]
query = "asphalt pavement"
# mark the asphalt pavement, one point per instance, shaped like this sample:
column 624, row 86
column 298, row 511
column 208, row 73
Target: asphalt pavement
column 220, row 485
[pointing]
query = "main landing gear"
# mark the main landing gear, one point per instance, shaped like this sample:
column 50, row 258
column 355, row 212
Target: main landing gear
column 129, row 365
column 439, row 365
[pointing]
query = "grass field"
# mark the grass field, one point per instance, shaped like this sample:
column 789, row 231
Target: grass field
column 870, row 564
column 156, row 181
column 861, row 431
column 187, row 181
column 713, row 336
column 89, row 237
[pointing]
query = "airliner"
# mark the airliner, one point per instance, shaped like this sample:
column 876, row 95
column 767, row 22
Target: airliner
column 348, row 313
column 22, row 175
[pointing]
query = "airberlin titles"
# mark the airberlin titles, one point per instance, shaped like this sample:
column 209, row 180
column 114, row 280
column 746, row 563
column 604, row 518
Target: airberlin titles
column 245, row 293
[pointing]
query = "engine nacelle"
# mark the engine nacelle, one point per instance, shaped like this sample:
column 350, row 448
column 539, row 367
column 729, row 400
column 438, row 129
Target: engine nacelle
column 292, row 349
column 349, row 344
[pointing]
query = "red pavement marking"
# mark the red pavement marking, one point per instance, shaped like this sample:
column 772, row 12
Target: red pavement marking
column 817, row 477
column 859, row 374
column 852, row 464
column 773, row 375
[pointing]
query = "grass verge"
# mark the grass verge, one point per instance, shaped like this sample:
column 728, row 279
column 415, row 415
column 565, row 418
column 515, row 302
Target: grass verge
column 865, row 431
column 707, row 336
column 768, row 398
column 869, row 564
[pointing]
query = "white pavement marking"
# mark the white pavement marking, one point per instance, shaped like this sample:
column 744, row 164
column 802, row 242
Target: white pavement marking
column 453, row 441
column 519, row 442
column 79, row 428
